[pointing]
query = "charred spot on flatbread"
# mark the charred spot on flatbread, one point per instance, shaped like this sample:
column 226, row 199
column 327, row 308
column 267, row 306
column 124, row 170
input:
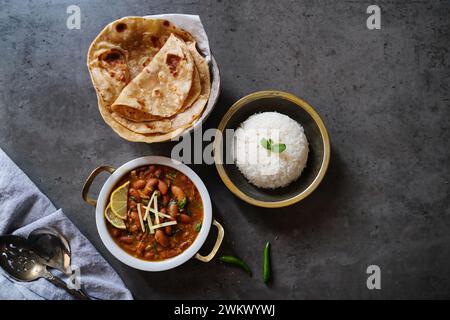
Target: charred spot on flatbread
column 173, row 61
column 115, row 62
column 155, row 41
column 121, row 27
column 157, row 93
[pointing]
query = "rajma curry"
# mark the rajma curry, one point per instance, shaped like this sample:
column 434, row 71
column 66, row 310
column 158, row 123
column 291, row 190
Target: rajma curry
column 164, row 213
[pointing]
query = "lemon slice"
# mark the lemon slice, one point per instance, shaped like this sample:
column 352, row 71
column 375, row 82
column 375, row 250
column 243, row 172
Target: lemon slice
column 113, row 219
column 119, row 201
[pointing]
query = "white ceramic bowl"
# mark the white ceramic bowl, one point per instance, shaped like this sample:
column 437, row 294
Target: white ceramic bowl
column 122, row 255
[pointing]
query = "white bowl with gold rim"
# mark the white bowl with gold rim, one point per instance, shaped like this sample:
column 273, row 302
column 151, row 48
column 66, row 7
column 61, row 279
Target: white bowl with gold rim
column 103, row 200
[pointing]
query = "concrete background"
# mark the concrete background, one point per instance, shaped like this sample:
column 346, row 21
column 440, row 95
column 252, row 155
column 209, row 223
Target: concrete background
column 383, row 95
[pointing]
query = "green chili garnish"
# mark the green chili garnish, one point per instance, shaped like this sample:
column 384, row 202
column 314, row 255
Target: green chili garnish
column 182, row 203
column 237, row 262
column 171, row 176
column 266, row 267
column 198, row 226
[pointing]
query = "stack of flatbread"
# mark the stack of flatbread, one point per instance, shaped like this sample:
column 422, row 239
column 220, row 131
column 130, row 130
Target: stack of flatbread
column 151, row 82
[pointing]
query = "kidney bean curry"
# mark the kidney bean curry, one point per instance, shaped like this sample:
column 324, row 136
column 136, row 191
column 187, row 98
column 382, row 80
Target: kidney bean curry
column 164, row 213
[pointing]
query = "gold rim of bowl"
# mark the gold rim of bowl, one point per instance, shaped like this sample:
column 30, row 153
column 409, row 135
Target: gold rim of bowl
column 301, row 104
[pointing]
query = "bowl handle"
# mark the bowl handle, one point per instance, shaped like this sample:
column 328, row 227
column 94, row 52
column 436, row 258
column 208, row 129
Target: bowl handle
column 89, row 181
column 214, row 250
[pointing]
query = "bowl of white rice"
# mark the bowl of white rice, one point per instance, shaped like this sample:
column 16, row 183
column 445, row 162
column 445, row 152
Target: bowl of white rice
column 274, row 150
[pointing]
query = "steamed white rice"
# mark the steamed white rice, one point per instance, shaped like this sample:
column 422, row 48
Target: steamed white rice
column 264, row 168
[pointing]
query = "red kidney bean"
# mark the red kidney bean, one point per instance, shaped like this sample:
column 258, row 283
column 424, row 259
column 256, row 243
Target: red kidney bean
column 152, row 182
column 134, row 193
column 138, row 184
column 184, row 218
column 126, row 239
column 158, row 172
column 115, row 232
column 135, row 217
column 184, row 245
column 150, row 186
column 142, row 174
column 162, row 187
column 173, row 209
column 130, row 248
column 178, row 193
column 172, row 253
column 140, row 248
column 148, row 190
column 161, row 238
column 149, row 255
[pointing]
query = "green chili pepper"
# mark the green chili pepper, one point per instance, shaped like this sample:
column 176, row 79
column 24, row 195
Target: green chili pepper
column 237, row 262
column 266, row 269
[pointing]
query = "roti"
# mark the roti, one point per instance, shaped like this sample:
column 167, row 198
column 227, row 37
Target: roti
column 183, row 119
column 161, row 88
column 161, row 125
column 119, row 55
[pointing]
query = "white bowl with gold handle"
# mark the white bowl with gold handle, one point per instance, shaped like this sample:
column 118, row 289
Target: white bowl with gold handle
column 103, row 199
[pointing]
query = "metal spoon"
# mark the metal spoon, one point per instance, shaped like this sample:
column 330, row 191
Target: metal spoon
column 51, row 246
column 23, row 264
column 54, row 248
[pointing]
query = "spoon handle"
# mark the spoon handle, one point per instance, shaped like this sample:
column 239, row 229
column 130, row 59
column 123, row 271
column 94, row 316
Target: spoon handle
column 77, row 293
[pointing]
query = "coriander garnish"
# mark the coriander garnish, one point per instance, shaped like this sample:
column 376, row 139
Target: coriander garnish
column 182, row 203
column 171, row 176
column 269, row 145
column 198, row 226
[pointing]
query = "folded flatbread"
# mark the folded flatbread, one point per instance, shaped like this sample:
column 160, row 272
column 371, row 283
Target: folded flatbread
column 161, row 88
column 150, row 80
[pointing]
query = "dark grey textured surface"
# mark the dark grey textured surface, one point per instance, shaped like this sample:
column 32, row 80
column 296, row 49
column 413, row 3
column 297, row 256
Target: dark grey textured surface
column 384, row 96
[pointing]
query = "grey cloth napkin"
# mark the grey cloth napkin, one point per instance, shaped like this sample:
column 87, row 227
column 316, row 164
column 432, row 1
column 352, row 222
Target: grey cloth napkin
column 24, row 208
